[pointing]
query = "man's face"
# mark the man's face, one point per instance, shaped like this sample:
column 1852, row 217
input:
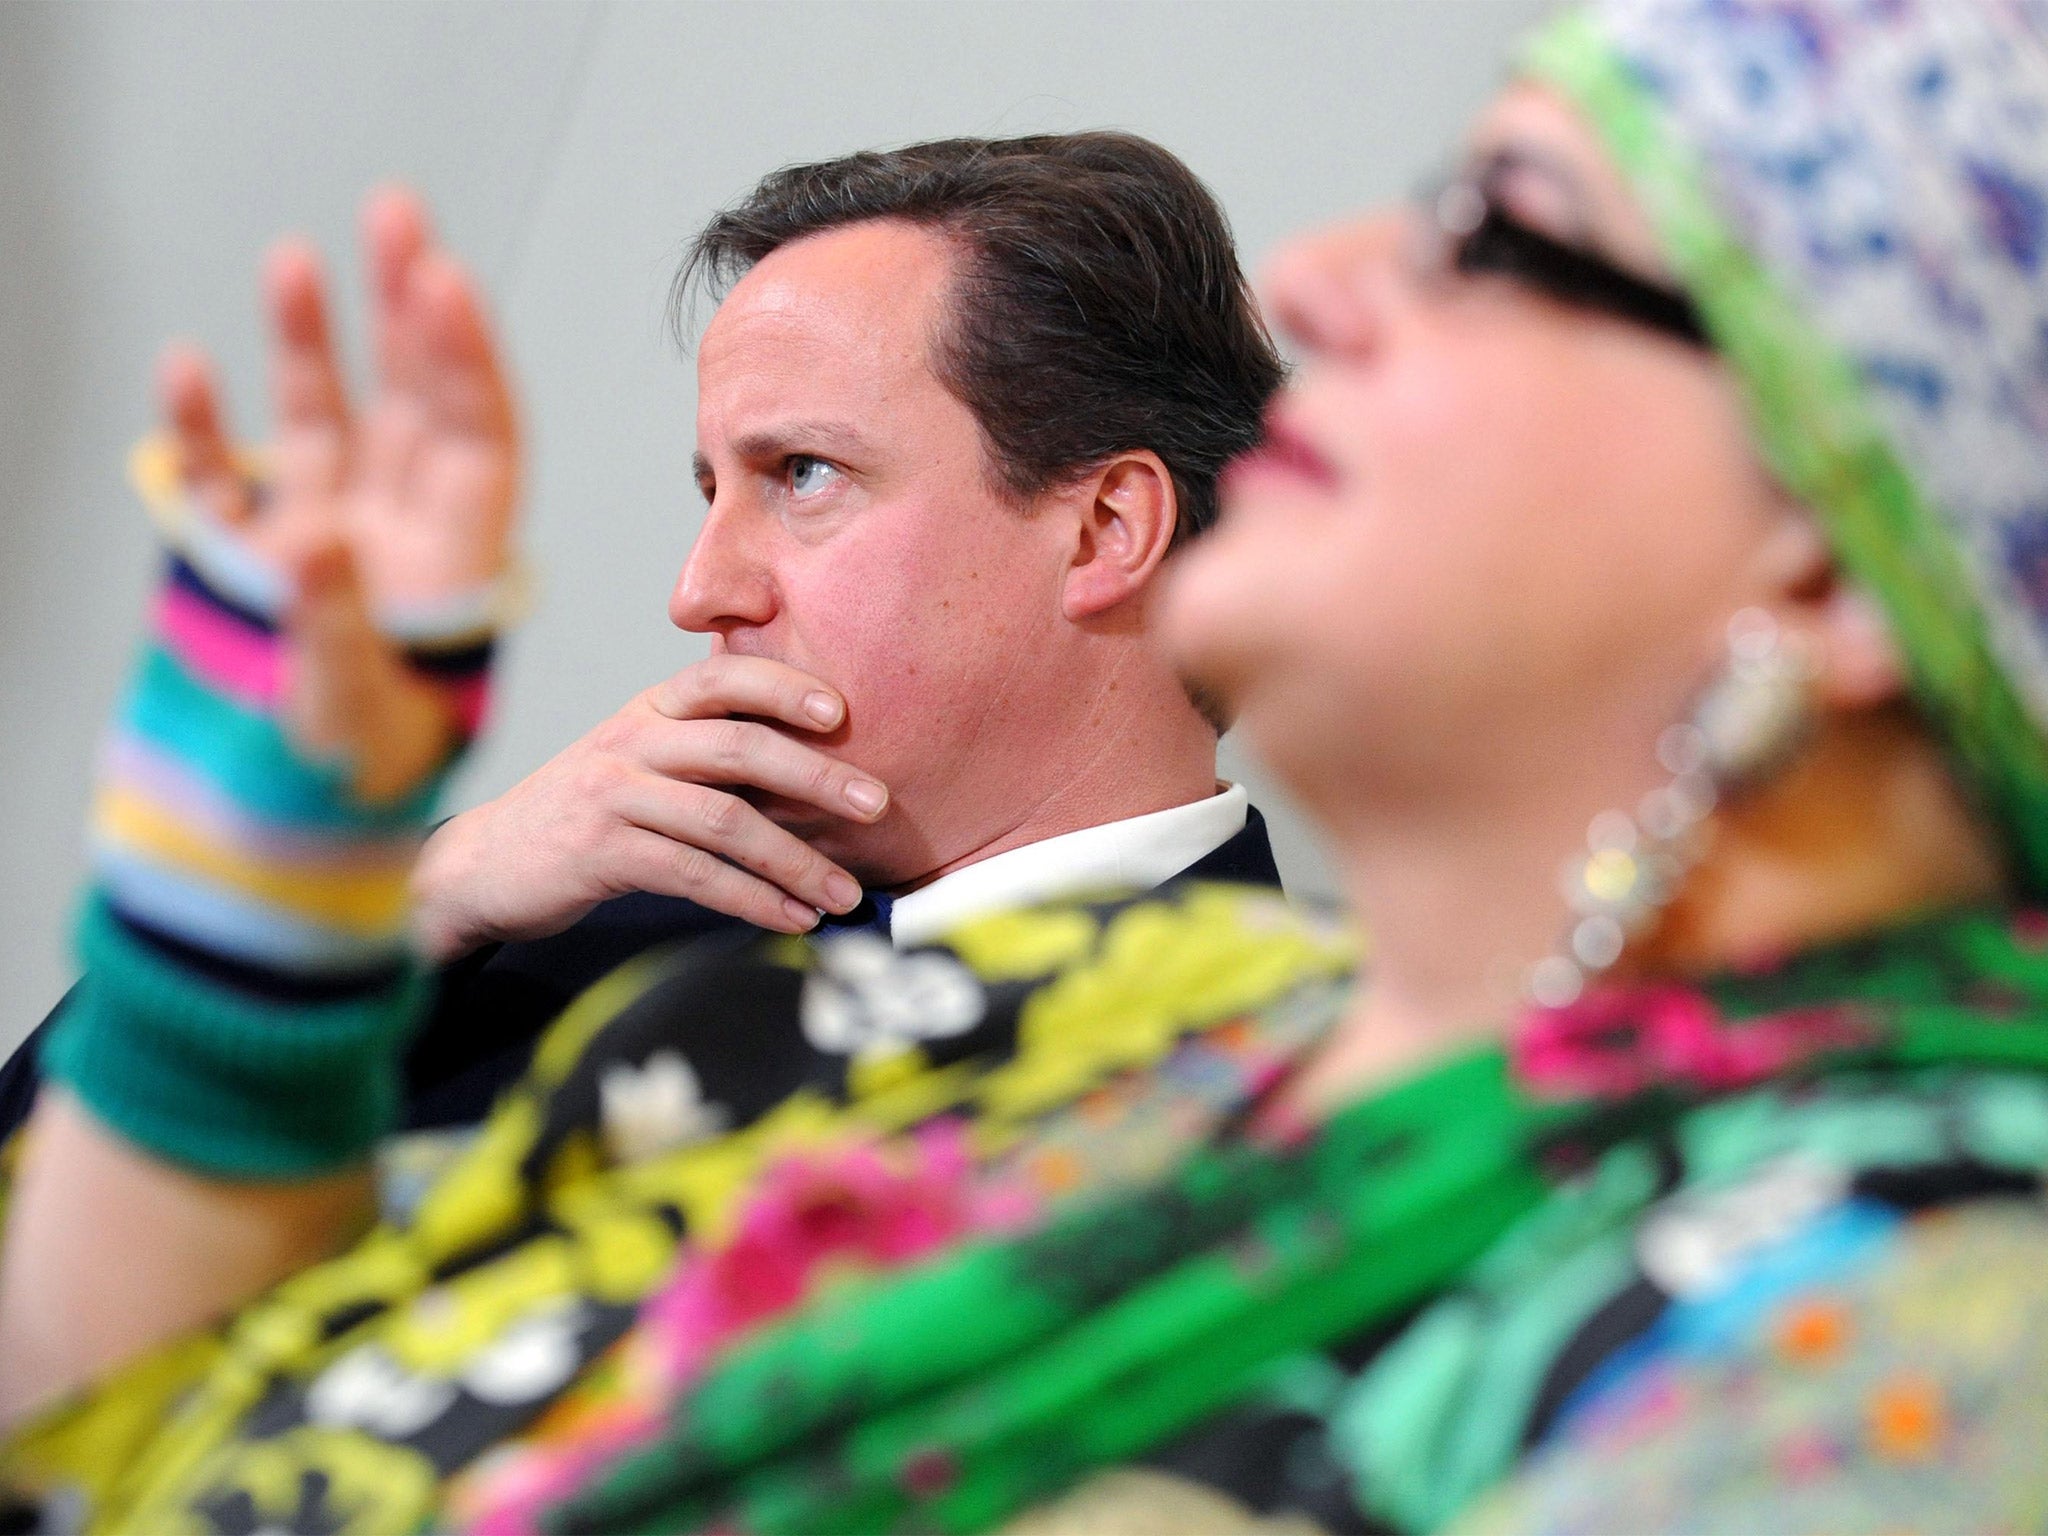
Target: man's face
column 853, row 532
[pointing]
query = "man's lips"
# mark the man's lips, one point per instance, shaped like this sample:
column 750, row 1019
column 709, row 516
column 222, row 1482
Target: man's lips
column 1284, row 454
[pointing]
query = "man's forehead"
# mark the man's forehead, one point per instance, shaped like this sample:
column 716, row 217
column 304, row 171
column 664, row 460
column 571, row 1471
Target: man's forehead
column 858, row 300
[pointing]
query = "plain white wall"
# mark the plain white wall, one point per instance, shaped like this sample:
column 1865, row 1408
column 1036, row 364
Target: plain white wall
column 148, row 151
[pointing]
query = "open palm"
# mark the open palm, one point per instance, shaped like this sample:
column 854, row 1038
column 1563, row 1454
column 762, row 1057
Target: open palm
column 393, row 506
column 422, row 479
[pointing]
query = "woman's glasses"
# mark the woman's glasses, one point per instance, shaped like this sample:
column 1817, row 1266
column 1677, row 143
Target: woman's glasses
column 1476, row 232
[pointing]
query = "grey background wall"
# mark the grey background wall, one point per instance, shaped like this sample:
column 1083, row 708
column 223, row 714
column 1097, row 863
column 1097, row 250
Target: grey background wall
column 148, row 152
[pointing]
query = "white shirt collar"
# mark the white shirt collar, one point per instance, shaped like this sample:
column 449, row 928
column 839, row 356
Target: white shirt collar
column 1133, row 854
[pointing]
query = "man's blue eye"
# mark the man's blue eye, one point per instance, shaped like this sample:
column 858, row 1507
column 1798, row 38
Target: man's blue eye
column 808, row 476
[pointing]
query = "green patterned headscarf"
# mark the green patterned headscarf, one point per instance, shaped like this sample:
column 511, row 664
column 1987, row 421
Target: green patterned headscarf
column 1856, row 194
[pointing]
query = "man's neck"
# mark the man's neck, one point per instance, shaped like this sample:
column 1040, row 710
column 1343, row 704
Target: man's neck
column 1134, row 747
column 1073, row 808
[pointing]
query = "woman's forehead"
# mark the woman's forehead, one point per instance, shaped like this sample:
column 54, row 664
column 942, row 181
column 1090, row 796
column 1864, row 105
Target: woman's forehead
column 1534, row 124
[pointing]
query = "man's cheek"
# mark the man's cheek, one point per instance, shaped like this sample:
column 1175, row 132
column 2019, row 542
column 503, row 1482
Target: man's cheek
column 876, row 725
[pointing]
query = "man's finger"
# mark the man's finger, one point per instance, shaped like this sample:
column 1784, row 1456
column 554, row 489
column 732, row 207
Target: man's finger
column 749, row 685
column 726, row 825
column 206, row 461
column 655, row 863
column 311, row 397
column 757, row 756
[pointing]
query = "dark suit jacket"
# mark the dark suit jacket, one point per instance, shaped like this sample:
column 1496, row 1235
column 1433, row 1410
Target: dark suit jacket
column 492, row 1005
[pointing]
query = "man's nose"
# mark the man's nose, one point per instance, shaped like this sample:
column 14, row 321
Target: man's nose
column 726, row 579
column 1333, row 291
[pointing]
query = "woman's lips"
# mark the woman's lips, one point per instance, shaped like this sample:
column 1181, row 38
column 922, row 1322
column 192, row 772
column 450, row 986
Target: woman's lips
column 1286, row 455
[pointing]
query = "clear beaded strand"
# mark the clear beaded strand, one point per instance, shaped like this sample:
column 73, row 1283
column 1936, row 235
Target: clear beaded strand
column 1746, row 724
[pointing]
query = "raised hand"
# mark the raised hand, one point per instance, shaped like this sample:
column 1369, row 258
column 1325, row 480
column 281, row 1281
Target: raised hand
column 390, row 508
column 652, row 800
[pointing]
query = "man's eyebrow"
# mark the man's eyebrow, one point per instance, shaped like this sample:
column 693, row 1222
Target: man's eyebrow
column 790, row 437
column 783, row 440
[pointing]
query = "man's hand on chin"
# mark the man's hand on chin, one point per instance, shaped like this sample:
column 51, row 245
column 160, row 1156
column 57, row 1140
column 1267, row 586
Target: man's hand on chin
column 654, row 800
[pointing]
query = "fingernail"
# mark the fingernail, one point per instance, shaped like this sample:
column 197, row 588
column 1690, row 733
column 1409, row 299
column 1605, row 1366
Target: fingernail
column 802, row 914
column 844, row 893
column 822, row 707
column 866, row 797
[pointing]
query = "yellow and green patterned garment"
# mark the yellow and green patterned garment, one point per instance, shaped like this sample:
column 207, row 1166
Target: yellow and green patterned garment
column 784, row 1236
column 711, row 1136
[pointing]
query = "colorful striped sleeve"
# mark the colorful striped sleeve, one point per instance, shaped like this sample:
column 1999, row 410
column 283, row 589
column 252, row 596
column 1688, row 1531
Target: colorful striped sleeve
column 249, row 981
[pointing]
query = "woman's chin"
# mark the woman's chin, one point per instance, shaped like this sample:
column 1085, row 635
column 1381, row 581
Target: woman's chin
column 1214, row 632
column 1289, row 718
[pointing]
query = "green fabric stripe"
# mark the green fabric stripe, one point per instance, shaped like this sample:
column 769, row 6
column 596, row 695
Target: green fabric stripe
column 983, row 1371
column 1816, row 427
column 871, row 1352
column 222, row 1081
column 249, row 757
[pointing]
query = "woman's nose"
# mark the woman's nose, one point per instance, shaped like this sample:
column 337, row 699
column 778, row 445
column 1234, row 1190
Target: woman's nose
column 1331, row 291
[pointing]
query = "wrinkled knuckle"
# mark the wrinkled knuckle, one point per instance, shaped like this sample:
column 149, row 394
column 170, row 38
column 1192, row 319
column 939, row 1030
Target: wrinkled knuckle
column 801, row 866
column 680, row 697
column 614, row 735
column 596, row 779
column 732, row 745
column 721, row 815
column 693, row 867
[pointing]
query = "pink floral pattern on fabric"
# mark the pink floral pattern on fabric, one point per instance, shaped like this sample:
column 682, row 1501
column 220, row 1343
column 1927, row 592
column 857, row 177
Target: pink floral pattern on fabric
column 859, row 1207
column 850, row 1209
column 1617, row 1041
column 866, row 1205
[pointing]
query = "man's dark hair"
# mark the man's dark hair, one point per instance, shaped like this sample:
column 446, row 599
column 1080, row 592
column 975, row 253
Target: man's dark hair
column 1098, row 306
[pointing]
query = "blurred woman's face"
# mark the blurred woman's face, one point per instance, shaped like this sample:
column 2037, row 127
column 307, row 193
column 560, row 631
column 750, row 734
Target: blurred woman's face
column 1489, row 529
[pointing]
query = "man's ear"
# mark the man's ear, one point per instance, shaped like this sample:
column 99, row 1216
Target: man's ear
column 1857, row 663
column 1128, row 518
